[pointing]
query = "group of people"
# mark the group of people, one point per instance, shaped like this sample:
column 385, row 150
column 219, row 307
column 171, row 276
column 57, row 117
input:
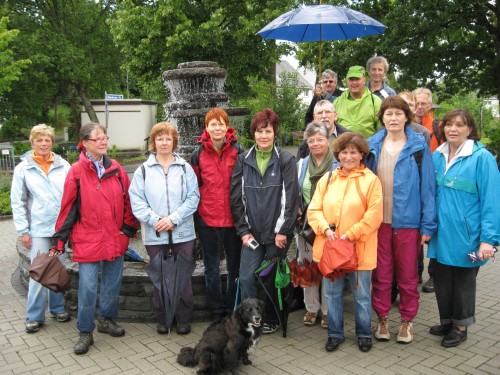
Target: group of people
column 377, row 187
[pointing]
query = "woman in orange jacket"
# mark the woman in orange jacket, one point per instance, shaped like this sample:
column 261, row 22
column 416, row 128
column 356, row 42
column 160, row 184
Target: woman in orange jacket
column 351, row 199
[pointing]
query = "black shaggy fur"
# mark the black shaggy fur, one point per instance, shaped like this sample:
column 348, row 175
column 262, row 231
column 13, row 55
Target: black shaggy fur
column 225, row 342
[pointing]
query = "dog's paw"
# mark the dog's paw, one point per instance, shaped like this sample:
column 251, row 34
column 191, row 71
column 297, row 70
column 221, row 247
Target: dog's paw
column 246, row 361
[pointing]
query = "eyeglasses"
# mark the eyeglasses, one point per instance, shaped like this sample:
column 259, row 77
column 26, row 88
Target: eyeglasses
column 317, row 140
column 458, row 125
column 325, row 81
column 325, row 112
column 99, row 140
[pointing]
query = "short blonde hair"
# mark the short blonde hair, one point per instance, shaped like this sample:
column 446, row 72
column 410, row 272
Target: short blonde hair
column 160, row 129
column 41, row 130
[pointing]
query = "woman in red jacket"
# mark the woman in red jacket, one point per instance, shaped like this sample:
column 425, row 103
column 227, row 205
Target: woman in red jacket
column 213, row 163
column 97, row 218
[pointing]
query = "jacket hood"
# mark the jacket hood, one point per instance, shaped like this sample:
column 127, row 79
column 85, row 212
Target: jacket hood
column 413, row 141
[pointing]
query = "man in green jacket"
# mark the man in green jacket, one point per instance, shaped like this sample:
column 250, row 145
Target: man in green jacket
column 357, row 108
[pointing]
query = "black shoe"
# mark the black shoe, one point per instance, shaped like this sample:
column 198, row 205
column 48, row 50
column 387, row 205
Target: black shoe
column 454, row 337
column 440, row 329
column 108, row 325
column 162, row 329
column 84, row 341
column 333, row 344
column 183, row 328
column 269, row 328
column 32, row 327
column 364, row 344
column 428, row 286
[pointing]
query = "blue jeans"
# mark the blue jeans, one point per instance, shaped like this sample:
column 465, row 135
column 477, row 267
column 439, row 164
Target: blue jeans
column 211, row 240
column 334, row 291
column 37, row 293
column 111, row 280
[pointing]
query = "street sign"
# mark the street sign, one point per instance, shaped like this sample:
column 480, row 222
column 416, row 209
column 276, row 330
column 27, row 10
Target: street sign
column 114, row 96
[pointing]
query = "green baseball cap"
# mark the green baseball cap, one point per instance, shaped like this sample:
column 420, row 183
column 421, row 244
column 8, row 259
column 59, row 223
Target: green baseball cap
column 356, row 72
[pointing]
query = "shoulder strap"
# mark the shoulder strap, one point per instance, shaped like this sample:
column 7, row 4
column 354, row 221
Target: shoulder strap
column 435, row 130
column 77, row 171
column 143, row 169
column 195, row 159
column 418, row 159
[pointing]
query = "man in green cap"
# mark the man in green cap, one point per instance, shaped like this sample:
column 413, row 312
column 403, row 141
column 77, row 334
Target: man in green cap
column 357, row 108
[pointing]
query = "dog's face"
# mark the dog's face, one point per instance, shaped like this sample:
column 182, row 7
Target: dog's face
column 250, row 311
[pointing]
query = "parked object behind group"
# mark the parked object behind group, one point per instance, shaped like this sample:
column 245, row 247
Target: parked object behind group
column 36, row 193
column 164, row 195
column 468, row 220
column 350, row 201
column 97, row 219
column 213, row 162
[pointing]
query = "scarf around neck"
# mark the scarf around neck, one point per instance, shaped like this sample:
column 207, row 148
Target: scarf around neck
column 317, row 171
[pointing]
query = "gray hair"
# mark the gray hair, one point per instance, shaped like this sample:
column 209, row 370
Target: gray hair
column 87, row 129
column 377, row 60
column 324, row 103
column 329, row 73
column 423, row 90
column 314, row 128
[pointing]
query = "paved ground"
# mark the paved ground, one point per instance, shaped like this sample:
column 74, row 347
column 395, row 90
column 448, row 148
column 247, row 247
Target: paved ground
column 142, row 350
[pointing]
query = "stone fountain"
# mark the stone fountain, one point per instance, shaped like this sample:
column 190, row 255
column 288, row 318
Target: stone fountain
column 195, row 88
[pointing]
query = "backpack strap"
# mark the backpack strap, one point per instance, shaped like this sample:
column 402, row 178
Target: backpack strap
column 435, row 130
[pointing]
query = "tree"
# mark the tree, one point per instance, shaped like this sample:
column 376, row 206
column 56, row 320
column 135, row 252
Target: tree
column 156, row 36
column 450, row 46
column 73, row 54
column 10, row 69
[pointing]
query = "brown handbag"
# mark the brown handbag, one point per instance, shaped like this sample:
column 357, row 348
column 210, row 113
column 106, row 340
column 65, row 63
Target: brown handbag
column 50, row 272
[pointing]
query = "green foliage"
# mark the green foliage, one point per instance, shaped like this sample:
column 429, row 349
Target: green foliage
column 10, row 67
column 113, row 152
column 282, row 99
column 21, row 147
column 5, row 208
column 60, row 116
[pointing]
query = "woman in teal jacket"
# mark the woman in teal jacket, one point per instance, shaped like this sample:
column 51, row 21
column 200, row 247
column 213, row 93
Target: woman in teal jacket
column 468, row 221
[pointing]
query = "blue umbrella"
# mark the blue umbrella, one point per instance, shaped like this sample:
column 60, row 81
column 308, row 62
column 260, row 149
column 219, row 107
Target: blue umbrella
column 316, row 23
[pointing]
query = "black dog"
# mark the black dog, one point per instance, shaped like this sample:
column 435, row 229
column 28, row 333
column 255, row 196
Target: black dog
column 226, row 341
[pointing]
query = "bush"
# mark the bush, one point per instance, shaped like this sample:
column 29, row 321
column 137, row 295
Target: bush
column 5, row 208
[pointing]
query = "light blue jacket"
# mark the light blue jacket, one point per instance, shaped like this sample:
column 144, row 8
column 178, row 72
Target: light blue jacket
column 468, row 206
column 157, row 194
column 36, row 197
column 414, row 203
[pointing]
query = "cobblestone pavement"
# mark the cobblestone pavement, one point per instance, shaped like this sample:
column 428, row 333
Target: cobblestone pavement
column 142, row 350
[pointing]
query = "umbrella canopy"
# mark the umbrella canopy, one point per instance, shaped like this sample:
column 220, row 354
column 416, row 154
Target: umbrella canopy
column 132, row 256
column 170, row 276
column 315, row 23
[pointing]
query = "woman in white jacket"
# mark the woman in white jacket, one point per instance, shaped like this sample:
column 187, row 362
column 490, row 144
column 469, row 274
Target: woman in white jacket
column 37, row 188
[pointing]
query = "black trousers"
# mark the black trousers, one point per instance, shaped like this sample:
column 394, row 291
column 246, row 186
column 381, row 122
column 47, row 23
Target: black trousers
column 455, row 289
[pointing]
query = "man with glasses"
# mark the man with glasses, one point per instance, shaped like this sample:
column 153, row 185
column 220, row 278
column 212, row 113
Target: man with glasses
column 324, row 112
column 424, row 115
column 326, row 90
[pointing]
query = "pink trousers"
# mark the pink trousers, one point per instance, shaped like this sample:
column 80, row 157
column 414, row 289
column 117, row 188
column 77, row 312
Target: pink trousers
column 396, row 248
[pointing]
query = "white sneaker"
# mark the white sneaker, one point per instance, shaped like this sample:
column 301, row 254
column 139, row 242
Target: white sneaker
column 382, row 333
column 405, row 335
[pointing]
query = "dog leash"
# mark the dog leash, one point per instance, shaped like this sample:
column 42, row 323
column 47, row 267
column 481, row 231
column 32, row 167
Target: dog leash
column 237, row 293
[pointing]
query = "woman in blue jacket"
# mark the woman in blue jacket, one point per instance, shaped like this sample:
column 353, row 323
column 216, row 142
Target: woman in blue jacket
column 401, row 159
column 468, row 221
column 164, row 195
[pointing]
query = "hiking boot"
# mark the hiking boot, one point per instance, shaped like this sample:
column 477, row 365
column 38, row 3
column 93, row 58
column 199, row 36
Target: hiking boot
column 428, row 286
column 84, row 341
column 382, row 332
column 310, row 318
column 108, row 325
column 405, row 335
column 61, row 317
column 364, row 344
column 324, row 321
column 32, row 327
column 270, row 327
column 333, row 343
column 162, row 329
